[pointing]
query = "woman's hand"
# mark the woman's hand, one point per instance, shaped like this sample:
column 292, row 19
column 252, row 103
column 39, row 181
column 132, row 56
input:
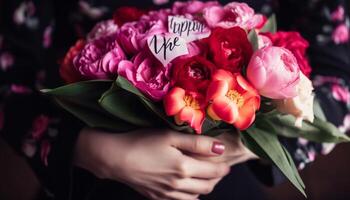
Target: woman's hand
column 235, row 151
column 153, row 162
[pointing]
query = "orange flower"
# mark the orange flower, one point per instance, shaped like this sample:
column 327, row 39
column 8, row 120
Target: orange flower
column 232, row 99
column 186, row 106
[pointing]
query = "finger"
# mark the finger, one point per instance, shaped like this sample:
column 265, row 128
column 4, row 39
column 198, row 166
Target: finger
column 192, row 168
column 202, row 145
column 196, row 186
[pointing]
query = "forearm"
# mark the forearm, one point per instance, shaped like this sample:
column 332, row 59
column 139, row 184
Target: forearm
column 92, row 149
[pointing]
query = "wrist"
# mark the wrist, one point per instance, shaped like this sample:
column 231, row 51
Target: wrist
column 93, row 152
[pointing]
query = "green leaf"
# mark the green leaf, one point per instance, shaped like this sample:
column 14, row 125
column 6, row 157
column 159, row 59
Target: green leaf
column 319, row 131
column 270, row 25
column 318, row 112
column 84, row 89
column 253, row 39
column 126, row 85
column 267, row 146
column 81, row 99
column 292, row 164
column 94, row 118
column 216, row 132
column 127, row 106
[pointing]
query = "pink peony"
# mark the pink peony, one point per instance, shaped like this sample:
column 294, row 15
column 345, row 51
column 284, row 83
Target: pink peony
column 274, row 72
column 194, row 49
column 264, row 41
column 99, row 58
column 132, row 36
column 300, row 106
column 156, row 15
column 232, row 14
column 147, row 74
column 295, row 43
column 191, row 7
column 102, row 29
column 341, row 34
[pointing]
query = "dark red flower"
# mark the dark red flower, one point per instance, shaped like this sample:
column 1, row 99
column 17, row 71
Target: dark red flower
column 230, row 48
column 295, row 43
column 127, row 14
column 192, row 74
column 67, row 71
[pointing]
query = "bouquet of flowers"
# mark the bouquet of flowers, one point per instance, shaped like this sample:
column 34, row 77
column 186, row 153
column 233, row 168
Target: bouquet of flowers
column 199, row 68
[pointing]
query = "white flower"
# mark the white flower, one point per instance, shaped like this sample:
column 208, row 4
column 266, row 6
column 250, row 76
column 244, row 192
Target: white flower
column 300, row 106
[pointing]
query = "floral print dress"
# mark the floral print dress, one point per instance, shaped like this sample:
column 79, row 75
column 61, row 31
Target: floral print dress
column 34, row 35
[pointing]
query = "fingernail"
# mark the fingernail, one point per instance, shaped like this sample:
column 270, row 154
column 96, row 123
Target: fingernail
column 218, row 148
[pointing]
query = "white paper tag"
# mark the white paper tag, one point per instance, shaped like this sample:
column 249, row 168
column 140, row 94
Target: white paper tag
column 188, row 29
column 167, row 47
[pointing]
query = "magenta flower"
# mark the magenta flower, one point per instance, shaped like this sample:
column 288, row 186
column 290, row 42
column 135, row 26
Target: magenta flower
column 232, row 14
column 147, row 74
column 191, row 7
column 99, row 58
column 133, row 36
column 102, row 29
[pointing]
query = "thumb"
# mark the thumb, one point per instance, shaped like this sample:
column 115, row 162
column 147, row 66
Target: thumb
column 201, row 145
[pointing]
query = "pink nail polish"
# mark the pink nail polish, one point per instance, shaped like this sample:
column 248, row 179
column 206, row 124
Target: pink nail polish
column 218, row 148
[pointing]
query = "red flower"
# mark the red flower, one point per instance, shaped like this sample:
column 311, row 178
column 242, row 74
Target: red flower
column 192, row 74
column 67, row 71
column 230, row 48
column 186, row 107
column 127, row 14
column 295, row 43
column 232, row 99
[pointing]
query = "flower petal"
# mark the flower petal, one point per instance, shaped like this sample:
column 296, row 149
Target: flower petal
column 223, row 75
column 194, row 118
column 246, row 115
column 225, row 109
column 243, row 83
column 198, row 120
column 212, row 114
column 173, row 101
column 217, row 88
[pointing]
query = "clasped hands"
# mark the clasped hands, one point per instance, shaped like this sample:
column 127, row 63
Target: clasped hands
column 160, row 164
